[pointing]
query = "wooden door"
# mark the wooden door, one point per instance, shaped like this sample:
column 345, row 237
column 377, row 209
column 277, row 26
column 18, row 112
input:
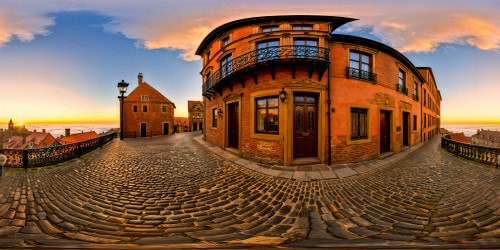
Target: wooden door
column 305, row 126
column 385, row 131
column 233, row 128
column 406, row 129
column 165, row 128
column 195, row 126
column 143, row 130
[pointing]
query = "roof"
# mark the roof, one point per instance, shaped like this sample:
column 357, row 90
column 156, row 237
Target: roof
column 78, row 137
column 184, row 121
column 488, row 135
column 460, row 137
column 381, row 47
column 191, row 104
column 146, row 89
column 39, row 140
column 334, row 20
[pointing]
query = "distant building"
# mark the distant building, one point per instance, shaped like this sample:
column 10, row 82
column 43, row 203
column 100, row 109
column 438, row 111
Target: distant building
column 147, row 112
column 195, row 115
column 181, row 124
column 74, row 138
column 29, row 141
column 487, row 138
column 460, row 137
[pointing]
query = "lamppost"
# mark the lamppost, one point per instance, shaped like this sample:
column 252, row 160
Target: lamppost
column 122, row 87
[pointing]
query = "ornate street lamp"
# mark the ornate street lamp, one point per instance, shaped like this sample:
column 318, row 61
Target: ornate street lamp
column 122, row 87
column 282, row 95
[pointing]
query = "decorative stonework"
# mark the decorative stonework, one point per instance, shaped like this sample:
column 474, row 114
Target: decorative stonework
column 383, row 100
column 405, row 105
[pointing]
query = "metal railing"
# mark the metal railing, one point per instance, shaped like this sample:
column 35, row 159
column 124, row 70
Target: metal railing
column 297, row 52
column 39, row 157
column 415, row 97
column 360, row 74
column 402, row 89
column 477, row 153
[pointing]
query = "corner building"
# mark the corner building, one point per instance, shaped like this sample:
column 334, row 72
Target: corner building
column 285, row 90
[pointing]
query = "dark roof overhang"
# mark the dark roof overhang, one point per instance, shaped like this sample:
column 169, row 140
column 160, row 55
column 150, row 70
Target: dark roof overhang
column 334, row 21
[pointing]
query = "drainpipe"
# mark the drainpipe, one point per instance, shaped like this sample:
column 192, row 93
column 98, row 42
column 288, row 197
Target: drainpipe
column 421, row 118
column 329, row 101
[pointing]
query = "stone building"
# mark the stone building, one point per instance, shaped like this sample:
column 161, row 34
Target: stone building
column 181, row 124
column 147, row 112
column 195, row 115
column 486, row 137
column 285, row 90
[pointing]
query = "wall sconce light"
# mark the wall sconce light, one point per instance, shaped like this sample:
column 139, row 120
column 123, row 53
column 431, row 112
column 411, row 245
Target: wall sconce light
column 282, row 95
column 219, row 111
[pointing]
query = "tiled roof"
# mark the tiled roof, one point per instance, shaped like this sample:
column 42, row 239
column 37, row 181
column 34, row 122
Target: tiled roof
column 39, row 140
column 184, row 121
column 146, row 89
column 74, row 138
column 191, row 104
column 488, row 135
column 460, row 137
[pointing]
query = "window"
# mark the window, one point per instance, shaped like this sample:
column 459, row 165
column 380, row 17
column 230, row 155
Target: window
column 302, row 27
column 305, row 48
column 144, row 108
column 144, row 98
column 415, row 91
column 266, row 115
column 225, row 41
column 214, row 117
column 270, row 28
column 135, row 108
column 208, row 81
column 267, row 50
column 226, row 65
column 414, row 122
column 359, row 123
column 425, row 120
column 163, row 108
column 360, row 65
column 425, row 97
column 402, row 82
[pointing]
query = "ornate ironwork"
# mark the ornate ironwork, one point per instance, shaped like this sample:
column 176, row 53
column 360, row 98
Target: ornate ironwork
column 477, row 153
column 263, row 55
column 361, row 74
column 402, row 89
column 39, row 157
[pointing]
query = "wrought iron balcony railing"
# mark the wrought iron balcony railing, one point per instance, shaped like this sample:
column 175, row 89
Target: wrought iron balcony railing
column 361, row 74
column 415, row 97
column 39, row 157
column 297, row 52
column 402, row 89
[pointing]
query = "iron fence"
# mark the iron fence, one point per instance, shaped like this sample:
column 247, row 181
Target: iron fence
column 477, row 153
column 402, row 89
column 39, row 157
column 361, row 74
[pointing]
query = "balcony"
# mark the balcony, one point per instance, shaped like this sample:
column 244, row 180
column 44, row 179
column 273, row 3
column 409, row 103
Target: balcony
column 313, row 56
column 415, row 97
column 361, row 74
column 402, row 89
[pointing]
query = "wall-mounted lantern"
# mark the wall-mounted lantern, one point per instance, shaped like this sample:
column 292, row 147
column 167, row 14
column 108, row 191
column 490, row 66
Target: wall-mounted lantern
column 282, row 95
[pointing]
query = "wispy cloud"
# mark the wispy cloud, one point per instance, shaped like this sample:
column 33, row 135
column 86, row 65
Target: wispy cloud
column 182, row 24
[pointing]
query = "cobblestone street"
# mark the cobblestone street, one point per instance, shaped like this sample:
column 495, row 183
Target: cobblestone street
column 172, row 190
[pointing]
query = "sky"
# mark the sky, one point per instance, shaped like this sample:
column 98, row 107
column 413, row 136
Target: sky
column 60, row 60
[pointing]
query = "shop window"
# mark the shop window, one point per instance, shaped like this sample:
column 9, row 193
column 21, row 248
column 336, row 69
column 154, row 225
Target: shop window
column 267, row 115
column 359, row 123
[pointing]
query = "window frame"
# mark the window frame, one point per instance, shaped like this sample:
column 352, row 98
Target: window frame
column 267, row 108
column 214, row 117
column 358, row 111
column 144, row 98
column 305, row 27
column 164, row 108
column 144, row 108
column 415, row 120
column 226, row 66
column 363, row 76
column 271, row 27
column 135, row 109
column 225, row 41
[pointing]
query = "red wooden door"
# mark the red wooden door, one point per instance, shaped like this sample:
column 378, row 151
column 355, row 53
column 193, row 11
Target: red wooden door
column 305, row 126
column 233, row 132
column 385, row 132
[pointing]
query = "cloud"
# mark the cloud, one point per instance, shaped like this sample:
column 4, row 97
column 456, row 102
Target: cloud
column 182, row 24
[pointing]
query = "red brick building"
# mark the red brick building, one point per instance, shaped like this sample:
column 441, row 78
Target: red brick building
column 285, row 90
column 147, row 112
column 79, row 137
column 195, row 115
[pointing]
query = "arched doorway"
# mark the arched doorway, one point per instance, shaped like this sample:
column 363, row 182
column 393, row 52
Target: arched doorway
column 195, row 126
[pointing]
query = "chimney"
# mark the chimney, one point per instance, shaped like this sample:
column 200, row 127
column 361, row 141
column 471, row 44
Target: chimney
column 139, row 78
column 34, row 131
column 67, row 132
column 43, row 131
column 24, row 138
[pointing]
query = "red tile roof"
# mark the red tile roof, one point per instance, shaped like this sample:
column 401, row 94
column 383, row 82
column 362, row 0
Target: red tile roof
column 37, row 139
column 74, row 138
column 460, row 137
column 191, row 104
column 488, row 135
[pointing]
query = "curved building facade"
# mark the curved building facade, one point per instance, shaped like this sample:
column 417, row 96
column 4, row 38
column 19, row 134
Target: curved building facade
column 285, row 90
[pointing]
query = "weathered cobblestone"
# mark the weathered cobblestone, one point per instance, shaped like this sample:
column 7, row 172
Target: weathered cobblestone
column 172, row 190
